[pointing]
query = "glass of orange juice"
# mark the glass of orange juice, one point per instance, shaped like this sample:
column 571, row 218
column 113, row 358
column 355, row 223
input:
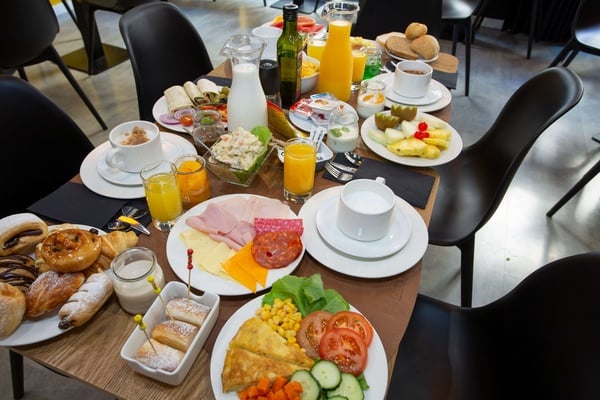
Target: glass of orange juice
column 193, row 179
column 299, row 161
column 316, row 44
column 359, row 60
column 162, row 193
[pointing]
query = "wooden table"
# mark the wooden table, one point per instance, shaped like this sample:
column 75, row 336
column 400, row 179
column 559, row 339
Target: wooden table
column 91, row 353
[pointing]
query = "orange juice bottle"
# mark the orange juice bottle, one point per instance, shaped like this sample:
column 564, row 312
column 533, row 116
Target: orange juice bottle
column 335, row 72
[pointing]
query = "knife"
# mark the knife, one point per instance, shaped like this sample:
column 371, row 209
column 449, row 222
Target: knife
column 134, row 224
column 343, row 167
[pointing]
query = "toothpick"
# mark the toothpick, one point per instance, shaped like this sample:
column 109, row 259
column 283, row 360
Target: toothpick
column 190, row 266
column 138, row 320
column 157, row 290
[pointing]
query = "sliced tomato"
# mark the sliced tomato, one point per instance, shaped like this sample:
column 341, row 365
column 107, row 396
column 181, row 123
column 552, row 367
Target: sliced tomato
column 311, row 330
column 346, row 348
column 354, row 321
column 186, row 120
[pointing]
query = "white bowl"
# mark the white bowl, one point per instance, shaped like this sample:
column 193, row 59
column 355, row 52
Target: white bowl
column 155, row 315
column 310, row 82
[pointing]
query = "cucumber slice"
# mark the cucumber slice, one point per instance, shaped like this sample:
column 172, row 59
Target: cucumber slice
column 327, row 373
column 349, row 388
column 337, row 398
column 311, row 390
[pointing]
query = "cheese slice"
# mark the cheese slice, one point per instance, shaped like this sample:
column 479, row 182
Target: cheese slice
column 244, row 268
column 208, row 253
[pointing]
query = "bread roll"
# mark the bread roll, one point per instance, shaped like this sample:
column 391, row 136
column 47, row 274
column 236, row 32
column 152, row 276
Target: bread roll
column 18, row 270
column 165, row 358
column 12, row 309
column 70, row 250
column 426, row 46
column 50, row 290
column 186, row 310
column 88, row 299
column 415, row 30
column 400, row 47
column 19, row 233
column 176, row 334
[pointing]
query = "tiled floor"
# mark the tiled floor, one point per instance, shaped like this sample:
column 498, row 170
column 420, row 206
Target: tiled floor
column 517, row 240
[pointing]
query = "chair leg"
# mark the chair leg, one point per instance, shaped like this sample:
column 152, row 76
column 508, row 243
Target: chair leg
column 468, row 38
column 571, row 57
column 55, row 57
column 454, row 38
column 532, row 27
column 91, row 38
column 22, row 73
column 576, row 188
column 563, row 53
column 17, row 376
column 467, row 253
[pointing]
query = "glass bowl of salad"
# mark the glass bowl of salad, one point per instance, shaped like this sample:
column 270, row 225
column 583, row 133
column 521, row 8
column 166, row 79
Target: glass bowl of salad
column 237, row 156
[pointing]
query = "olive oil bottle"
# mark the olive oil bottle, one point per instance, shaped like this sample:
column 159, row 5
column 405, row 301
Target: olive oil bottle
column 289, row 57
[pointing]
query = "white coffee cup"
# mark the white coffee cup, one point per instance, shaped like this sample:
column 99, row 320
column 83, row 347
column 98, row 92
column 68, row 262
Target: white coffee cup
column 412, row 78
column 366, row 209
column 130, row 151
column 269, row 34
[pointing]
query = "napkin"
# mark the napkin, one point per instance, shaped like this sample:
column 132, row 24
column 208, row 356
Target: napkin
column 414, row 187
column 75, row 203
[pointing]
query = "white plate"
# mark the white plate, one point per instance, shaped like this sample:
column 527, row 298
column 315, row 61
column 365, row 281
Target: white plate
column 376, row 372
column 406, row 59
column 93, row 181
column 434, row 92
column 447, row 155
column 35, row 331
column 357, row 267
column 395, row 239
column 160, row 108
column 308, row 124
column 172, row 148
column 201, row 280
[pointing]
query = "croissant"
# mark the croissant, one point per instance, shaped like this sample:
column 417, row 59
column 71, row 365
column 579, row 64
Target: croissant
column 112, row 244
column 84, row 303
column 50, row 290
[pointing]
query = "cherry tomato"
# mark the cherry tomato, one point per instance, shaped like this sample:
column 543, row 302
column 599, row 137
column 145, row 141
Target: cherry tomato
column 186, row 120
column 346, row 348
column 354, row 321
column 421, row 134
column 311, row 330
column 423, row 126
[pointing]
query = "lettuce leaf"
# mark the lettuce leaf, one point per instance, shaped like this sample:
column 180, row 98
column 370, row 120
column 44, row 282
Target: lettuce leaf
column 308, row 294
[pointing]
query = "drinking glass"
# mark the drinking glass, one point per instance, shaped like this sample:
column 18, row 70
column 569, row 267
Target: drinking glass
column 162, row 193
column 299, row 161
column 316, row 44
column 371, row 98
column 373, row 64
column 359, row 59
column 193, row 179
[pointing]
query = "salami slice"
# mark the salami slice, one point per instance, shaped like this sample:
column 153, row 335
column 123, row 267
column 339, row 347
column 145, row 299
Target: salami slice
column 276, row 249
column 262, row 225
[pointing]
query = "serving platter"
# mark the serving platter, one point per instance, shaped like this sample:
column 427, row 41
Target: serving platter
column 376, row 372
column 202, row 280
column 456, row 145
column 44, row 328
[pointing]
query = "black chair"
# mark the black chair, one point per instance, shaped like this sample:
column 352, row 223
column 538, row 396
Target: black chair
column 379, row 17
column 116, row 6
column 473, row 184
column 155, row 35
column 539, row 341
column 37, row 159
column 460, row 13
column 27, row 35
column 585, row 33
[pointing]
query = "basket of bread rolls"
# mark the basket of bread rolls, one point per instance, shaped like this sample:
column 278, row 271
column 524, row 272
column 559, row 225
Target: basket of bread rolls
column 414, row 45
column 48, row 271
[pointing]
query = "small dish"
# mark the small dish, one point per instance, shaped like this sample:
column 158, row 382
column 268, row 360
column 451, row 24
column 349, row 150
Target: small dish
column 324, row 154
column 155, row 315
column 234, row 175
column 391, row 243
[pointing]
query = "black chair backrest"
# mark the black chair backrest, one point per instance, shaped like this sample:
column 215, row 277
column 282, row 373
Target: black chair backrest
column 538, row 341
column 42, row 147
column 536, row 105
column 377, row 17
column 165, row 49
column 26, row 29
column 587, row 16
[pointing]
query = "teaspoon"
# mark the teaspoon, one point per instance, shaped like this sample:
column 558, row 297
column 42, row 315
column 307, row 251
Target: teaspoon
column 354, row 158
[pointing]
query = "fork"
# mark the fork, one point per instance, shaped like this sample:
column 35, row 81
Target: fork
column 337, row 174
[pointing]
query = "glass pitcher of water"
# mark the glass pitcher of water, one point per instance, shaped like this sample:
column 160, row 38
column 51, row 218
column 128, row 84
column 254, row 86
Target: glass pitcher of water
column 246, row 102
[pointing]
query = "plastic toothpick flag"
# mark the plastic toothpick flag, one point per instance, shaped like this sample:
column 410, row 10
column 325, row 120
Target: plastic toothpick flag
column 190, row 266
column 140, row 322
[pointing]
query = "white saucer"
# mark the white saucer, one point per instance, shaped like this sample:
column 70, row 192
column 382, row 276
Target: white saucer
column 171, row 150
column 443, row 101
column 433, row 94
column 395, row 239
column 406, row 59
column 93, row 181
column 357, row 267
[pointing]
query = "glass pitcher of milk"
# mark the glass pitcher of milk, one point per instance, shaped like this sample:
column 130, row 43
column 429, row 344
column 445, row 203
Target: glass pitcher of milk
column 246, row 102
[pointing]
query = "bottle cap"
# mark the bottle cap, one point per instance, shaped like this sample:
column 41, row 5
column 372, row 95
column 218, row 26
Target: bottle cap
column 290, row 11
column 268, row 71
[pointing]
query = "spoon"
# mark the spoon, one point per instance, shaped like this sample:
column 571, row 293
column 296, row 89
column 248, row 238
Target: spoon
column 354, row 158
column 132, row 212
column 118, row 226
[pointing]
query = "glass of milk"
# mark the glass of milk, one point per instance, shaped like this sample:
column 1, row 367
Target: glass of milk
column 130, row 271
column 342, row 134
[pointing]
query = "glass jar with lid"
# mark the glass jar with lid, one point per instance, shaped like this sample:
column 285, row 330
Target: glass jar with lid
column 208, row 127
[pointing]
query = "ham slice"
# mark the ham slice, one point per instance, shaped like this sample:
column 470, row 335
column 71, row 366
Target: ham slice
column 232, row 221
